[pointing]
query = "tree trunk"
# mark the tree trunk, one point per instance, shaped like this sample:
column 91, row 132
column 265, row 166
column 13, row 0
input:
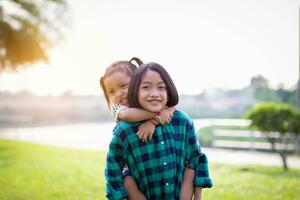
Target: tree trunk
column 284, row 160
column 297, row 147
column 272, row 142
column 284, row 152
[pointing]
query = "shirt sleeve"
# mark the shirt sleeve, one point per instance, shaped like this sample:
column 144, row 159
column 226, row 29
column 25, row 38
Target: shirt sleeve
column 115, row 162
column 117, row 108
column 196, row 159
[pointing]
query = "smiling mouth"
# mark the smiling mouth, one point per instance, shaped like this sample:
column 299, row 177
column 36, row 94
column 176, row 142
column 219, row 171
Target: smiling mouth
column 154, row 102
column 123, row 101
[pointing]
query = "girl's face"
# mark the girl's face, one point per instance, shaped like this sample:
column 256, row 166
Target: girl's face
column 117, row 87
column 152, row 92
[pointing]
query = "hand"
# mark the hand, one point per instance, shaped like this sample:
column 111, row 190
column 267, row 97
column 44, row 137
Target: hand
column 166, row 115
column 146, row 131
column 197, row 193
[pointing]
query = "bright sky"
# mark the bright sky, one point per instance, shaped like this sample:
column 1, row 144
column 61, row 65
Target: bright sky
column 204, row 44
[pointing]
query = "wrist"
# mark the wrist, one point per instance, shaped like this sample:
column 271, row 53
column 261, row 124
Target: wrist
column 158, row 118
column 153, row 121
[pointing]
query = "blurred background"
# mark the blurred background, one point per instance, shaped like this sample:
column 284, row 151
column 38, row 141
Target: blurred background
column 224, row 56
column 235, row 65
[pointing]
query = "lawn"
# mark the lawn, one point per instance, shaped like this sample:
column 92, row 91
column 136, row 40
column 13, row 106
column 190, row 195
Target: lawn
column 37, row 172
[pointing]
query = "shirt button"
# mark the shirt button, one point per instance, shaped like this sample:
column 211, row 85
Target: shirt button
column 162, row 142
column 165, row 163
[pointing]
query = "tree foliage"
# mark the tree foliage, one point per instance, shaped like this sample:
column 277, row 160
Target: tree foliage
column 28, row 29
column 271, row 117
column 276, row 117
column 263, row 92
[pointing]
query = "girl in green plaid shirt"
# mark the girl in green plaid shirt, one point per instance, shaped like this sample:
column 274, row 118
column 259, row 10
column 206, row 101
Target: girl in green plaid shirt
column 157, row 166
column 115, row 83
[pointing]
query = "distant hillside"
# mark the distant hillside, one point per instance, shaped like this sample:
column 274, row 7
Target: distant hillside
column 218, row 103
column 24, row 108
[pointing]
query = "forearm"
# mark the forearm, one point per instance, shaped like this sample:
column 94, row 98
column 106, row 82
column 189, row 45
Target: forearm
column 135, row 115
column 171, row 109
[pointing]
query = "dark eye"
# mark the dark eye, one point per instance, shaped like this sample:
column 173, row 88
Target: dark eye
column 145, row 87
column 111, row 92
column 162, row 87
column 124, row 85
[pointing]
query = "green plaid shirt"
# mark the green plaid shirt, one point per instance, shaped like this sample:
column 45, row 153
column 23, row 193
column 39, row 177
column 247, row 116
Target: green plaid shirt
column 156, row 166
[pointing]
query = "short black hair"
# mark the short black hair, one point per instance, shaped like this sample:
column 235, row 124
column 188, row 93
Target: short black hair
column 133, row 89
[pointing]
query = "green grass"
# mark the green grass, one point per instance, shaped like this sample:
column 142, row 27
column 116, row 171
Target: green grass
column 238, row 182
column 36, row 172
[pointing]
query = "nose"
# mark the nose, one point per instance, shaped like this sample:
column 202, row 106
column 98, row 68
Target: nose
column 154, row 92
column 120, row 93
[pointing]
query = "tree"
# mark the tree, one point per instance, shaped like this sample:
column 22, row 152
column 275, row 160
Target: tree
column 28, row 29
column 259, row 82
column 286, row 96
column 262, row 91
column 279, row 118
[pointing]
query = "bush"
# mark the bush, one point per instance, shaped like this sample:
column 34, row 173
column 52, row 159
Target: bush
column 276, row 117
column 205, row 136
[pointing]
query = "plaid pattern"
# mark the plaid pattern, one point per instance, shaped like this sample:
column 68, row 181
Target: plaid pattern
column 156, row 166
column 116, row 109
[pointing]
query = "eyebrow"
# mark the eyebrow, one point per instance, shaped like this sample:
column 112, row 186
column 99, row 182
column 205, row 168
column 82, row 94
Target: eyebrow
column 149, row 82
column 109, row 91
column 123, row 82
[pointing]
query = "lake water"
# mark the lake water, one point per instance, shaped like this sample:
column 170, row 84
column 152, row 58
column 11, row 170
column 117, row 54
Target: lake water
column 90, row 136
